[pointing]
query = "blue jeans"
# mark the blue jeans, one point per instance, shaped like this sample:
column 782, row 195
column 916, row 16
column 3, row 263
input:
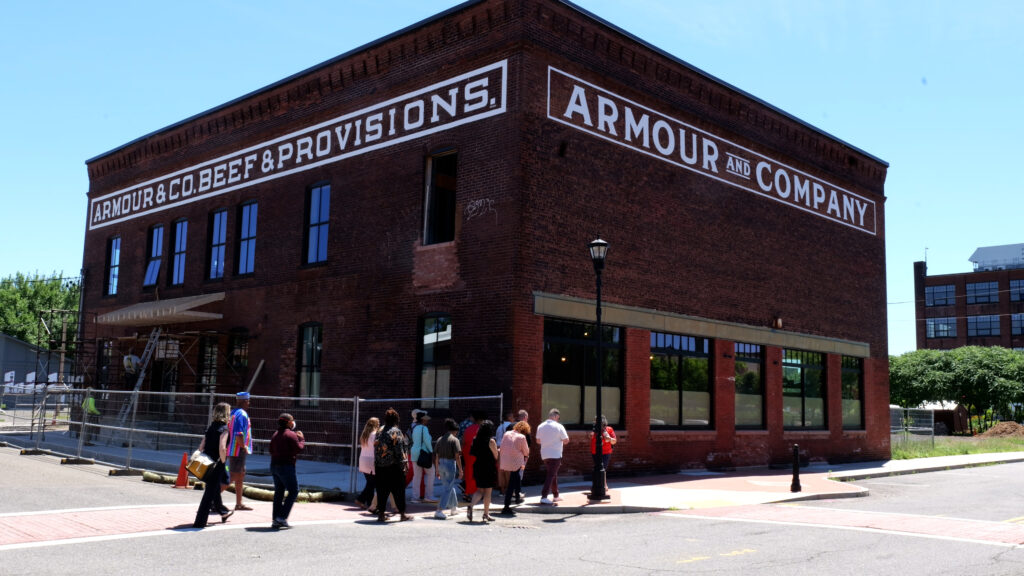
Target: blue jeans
column 449, row 480
column 284, row 479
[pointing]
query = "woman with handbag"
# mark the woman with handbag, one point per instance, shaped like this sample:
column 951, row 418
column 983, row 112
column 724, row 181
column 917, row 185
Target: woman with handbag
column 423, row 459
column 389, row 465
column 366, row 439
column 215, row 445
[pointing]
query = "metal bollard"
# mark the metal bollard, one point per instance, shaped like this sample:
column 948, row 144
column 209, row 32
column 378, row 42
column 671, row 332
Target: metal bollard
column 795, row 486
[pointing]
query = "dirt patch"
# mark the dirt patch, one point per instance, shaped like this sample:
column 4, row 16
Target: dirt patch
column 1005, row 429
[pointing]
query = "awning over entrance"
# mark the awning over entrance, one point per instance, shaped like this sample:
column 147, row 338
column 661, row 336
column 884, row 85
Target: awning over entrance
column 173, row 311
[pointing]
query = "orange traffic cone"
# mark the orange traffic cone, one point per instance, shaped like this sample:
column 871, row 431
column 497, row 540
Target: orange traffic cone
column 182, row 481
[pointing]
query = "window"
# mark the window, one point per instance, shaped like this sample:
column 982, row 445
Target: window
column 982, row 292
column 1017, row 324
column 439, row 199
column 803, row 390
column 113, row 265
column 680, row 381
column 983, row 326
column 247, row 238
column 570, row 379
column 435, row 363
column 940, row 327
column 208, row 360
column 311, row 339
column 940, row 295
column 749, row 386
column 238, row 348
column 853, row 393
column 178, row 261
column 318, row 212
column 218, row 234
column 156, row 253
column 1016, row 290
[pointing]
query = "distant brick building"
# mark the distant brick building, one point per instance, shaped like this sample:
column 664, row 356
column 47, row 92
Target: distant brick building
column 984, row 307
column 412, row 218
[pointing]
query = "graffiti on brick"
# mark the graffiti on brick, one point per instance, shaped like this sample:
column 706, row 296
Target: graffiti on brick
column 479, row 208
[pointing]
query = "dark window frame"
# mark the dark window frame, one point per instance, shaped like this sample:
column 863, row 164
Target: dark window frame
column 852, row 377
column 933, row 325
column 940, row 295
column 248, row 219
column 804, row 361
column 309, row 364
column 983, row 326
column 751, row 354
column 155, row 252
column 112, row 266
column 178, row 260
column 576, row 340
column 677, row 349
column 216, row 252
column 209, row 350
column 1016, row 290
column 434, row 357
column 318, row 218
column 440, row 198
column 238, row 348
column 1017, row 324
column 982, row 292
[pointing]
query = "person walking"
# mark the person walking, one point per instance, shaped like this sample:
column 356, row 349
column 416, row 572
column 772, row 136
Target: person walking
column 240, row 446
column 422, row 478
column 215, row 445
column 552, row 437
column 369, row 434
column 468, row 459
column 513, row 455
column 499, row 435
column 448, row 466
column 523, row 416
column 608, row 441
column 485, row 471
column 389, row 465
column 285, row 446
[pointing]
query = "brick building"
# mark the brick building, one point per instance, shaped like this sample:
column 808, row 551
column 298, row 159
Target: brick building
column 412, row 218
column 984, row 307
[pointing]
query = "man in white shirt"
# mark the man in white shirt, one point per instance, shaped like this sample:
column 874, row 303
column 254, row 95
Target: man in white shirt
column 551, row 436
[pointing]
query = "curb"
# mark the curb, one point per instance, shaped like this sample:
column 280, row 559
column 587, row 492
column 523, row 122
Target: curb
column 854, row 476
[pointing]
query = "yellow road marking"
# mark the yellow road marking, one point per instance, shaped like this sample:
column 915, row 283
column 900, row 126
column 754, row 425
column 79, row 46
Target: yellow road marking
column 738, row 552
column 1017, row 520
column 693, row 559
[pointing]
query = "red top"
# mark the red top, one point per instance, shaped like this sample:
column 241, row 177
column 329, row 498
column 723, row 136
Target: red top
column 606, row 446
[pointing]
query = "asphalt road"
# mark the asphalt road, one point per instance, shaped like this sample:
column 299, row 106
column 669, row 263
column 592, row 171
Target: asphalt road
column 662, row 543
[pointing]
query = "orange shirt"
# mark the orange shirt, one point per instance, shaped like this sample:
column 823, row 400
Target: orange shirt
column 514, row 451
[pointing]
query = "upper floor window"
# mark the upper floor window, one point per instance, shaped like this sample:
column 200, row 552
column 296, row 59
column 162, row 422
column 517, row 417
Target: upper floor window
column 178, row 260
column 439, row 199
column 310, row 347
column 940, row 327
column 113, row 265
column 156, row 253
column 238, row 348
column 1017, row 324
column 853, row 393
column 218, row 235
column 436, row 359
column 680, row 380
column 1016, row 290
column 247, row 238
column 944, row 295
column 318, row 213
column 982, row 292
column 749, row 386
column 803, row 389
column 570, row 371
column 983, row 325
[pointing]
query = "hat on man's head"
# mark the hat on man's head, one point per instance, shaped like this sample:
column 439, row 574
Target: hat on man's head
column 242, row 395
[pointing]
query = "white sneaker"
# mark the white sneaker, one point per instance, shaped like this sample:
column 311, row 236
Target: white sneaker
column 557, row 499
column 415, row 501
column 453, row 511
column 439, row 515
column 546, row 501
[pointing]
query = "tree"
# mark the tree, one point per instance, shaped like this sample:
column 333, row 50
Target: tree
column 920, row 376
column 23, row 299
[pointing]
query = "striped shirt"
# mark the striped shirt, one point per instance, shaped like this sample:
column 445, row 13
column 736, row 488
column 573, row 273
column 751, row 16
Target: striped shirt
column 240, row 426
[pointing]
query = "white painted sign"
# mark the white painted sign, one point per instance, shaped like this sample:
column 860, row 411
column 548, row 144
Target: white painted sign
column 602, row 113
column 466, row 98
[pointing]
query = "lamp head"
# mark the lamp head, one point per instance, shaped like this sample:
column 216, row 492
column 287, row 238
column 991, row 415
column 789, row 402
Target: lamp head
column 598, row 252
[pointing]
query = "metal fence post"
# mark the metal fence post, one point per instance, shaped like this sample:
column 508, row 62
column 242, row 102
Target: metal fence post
column 353, row 464
column 131, row 434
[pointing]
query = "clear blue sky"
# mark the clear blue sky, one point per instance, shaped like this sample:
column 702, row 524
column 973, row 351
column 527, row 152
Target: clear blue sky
column 933, row 88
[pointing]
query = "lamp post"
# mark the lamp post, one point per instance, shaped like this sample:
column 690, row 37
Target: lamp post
column 598, row 251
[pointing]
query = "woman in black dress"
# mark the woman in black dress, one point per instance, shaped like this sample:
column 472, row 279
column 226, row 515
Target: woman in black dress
column 485, row 469
column 215, row 445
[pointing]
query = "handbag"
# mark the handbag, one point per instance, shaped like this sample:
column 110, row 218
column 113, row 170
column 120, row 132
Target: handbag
column 198, row 464
column 425, row 459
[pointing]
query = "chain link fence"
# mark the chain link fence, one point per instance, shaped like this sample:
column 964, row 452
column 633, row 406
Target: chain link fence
column 152, row 430
column 911, row 425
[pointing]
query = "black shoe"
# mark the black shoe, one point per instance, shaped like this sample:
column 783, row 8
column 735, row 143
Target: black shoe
column 225, row 515
column 519, row 499
column 197, row 525
column 506, row 511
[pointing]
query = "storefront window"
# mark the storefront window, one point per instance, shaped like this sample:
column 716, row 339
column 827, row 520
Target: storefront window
column 570, row 380
column 749, row 376
column 680, row 381
column 803, row 390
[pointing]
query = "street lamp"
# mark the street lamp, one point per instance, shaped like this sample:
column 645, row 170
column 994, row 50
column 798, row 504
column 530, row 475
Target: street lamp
column 598, row 251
